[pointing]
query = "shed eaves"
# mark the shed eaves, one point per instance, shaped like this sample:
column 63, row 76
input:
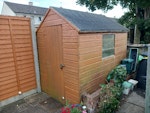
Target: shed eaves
column 89, row 22
column 27, row 9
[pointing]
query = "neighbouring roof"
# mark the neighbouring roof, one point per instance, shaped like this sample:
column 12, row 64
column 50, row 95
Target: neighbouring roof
column 89, row 22
column 26, row 9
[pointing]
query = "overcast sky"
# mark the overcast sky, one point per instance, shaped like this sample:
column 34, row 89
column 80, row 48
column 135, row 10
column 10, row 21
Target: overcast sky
column 69, row 4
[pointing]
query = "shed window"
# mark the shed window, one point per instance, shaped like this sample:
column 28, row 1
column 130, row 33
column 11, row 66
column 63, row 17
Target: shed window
column 108, row 45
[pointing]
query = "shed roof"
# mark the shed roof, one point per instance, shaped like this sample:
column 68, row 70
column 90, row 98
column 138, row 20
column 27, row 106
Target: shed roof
column 89, row 22
column 26, row 9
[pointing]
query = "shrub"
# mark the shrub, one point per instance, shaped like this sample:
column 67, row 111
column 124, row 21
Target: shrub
column 118, row 74
column 109, row 98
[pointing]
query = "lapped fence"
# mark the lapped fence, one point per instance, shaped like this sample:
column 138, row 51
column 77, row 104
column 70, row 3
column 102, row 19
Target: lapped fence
column 17, row 73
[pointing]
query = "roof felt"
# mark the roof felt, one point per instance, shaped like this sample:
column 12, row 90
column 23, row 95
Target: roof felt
column 89, row 22
column 27, row 9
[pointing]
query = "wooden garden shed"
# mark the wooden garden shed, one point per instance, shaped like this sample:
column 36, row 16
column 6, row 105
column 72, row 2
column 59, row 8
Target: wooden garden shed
column 77, row 50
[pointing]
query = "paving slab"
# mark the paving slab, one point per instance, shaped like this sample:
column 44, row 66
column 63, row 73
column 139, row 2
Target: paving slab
column 36, row 103
column 130, row 108
column 136, row 99
column 133, row 103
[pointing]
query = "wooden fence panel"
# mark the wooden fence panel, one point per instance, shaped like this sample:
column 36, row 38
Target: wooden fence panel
column 16, row 57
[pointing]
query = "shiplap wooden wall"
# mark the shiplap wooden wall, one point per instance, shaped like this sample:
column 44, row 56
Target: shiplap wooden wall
column 16, row 57
column 93, row 69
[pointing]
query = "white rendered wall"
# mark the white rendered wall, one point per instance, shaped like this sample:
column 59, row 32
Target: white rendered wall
column 7, row 11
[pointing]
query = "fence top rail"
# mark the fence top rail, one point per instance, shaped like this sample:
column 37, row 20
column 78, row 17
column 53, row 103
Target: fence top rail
column 14, row 17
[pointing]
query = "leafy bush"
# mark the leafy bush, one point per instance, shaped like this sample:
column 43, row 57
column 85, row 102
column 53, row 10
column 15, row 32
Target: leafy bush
column 110, row 93
column 109, row 98
column 118, row 74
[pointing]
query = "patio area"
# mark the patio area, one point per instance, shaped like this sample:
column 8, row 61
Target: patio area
column 42, row 103
column 36, row 103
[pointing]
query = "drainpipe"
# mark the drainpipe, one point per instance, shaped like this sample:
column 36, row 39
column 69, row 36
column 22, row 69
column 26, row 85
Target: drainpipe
column 147, row 99
column 35, row 54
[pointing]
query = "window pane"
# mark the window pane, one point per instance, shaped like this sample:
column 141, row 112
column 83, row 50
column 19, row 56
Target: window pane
column 108, row 52
column 108, row 45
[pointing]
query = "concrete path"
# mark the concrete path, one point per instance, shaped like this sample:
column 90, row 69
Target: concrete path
column 37, row 103
column 134, row 103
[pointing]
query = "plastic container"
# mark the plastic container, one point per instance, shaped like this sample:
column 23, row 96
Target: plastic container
column 129, row 64
column 133, row 82
column 127, row 86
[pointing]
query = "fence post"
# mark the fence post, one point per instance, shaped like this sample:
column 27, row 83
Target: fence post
column 147, row 99
column 35, row 52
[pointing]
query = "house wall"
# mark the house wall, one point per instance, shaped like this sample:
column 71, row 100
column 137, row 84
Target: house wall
column 70, row 55
column 16, row 57
column 7, row 11
column 93, row 69
column 35, row 18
